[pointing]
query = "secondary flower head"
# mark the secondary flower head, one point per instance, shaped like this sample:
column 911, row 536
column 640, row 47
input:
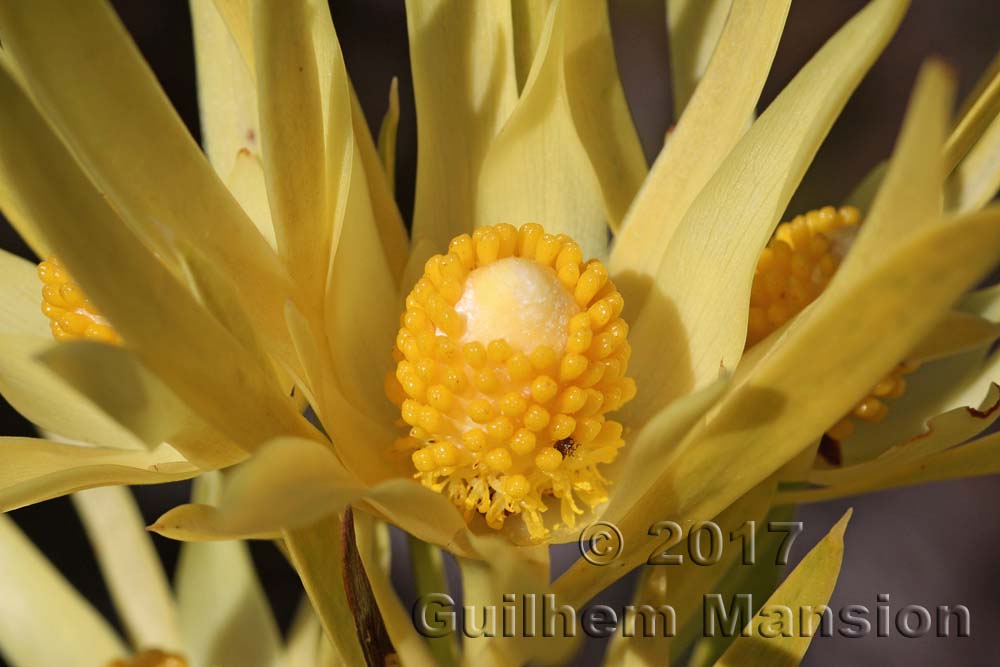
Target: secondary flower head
column 511, row 352
column 792, row 271
column 71, row 314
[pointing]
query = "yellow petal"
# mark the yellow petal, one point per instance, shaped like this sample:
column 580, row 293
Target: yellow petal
column 757, row 574
column 958, row 332
column 169, row 332
column 831, row 355
column 694, row 27
column 345, row 424
column 976, row 179
column 227, row 94
column 569, row 156
column 236, row 15
column 13, row 209
column 340, row 120
column 291, row 482
column 980, row 107
column 34, row 470
column 810, row 584
column 462, row 60
column 317, row 554
column 596, row 99
column 21, row 298
column 288, row 483
column 118, row 123
column 714, row 121
column 248, row 185
column 225, row 615
column 910, row 195
column 387, row 135
column 973, row 459
column 359, row 323
column 114, row 381
column 49, row 402
column 528, row 19
column 361, row 306
column 409, row 644
column 227, row 102
column 295, row 164
column 391, row 229
column 421, row 512
column 130, row 566
column 696, row 317
column 44, row 620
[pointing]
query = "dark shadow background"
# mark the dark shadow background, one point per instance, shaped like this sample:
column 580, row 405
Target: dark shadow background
column 930, row 545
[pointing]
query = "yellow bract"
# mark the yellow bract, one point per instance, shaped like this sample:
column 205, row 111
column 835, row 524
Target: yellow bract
column 511, row 351
column 151, row 658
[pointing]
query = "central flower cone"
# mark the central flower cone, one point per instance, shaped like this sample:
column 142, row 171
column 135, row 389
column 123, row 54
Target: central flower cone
column 510, row 354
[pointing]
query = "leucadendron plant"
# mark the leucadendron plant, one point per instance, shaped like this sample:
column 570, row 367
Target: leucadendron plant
column 563, row 335
column 216, row 612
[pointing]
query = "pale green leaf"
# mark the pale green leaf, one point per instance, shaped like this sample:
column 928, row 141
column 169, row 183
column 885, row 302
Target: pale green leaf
column 810, row 585
column 44, row 621
column 225, row 617
column 130, row 566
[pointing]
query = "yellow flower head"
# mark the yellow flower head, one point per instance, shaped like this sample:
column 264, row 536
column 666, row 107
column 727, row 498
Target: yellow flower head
column 511, row 352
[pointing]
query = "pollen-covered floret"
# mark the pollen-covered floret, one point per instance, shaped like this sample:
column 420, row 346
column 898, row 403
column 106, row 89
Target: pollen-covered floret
column 71, row 315
column 511, row 352
column 792, row 271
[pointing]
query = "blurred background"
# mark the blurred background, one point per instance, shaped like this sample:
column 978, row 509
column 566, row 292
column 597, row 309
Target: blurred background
column 931, row 545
